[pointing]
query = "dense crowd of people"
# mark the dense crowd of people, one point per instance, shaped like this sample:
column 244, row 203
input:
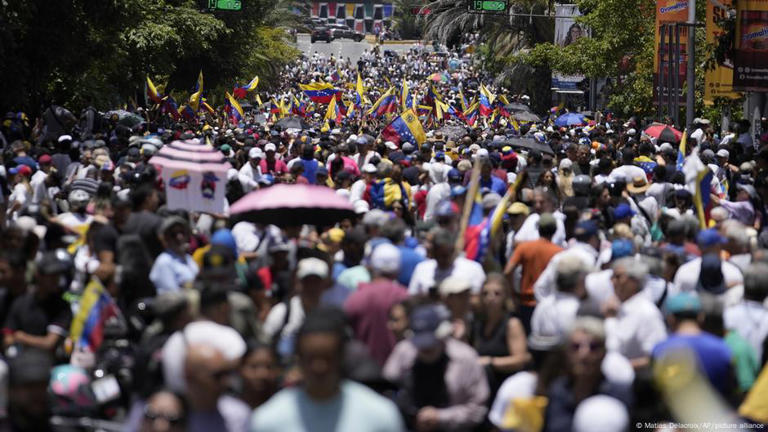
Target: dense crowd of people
column 591, row 268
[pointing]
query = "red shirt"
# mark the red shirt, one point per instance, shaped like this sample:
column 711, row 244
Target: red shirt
column 368, row 311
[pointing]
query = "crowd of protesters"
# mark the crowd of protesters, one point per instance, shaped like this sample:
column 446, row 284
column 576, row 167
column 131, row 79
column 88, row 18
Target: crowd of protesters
column 115, row 307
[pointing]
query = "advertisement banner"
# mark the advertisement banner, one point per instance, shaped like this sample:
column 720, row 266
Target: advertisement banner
column 751, row 53
column 718, row 82
column 567, row 31
column 669, row 11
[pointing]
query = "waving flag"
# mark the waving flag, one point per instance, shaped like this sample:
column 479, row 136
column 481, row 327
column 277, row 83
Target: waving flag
column 360, row 98
column 242, row 92
column 479, row 237
column 486, row 101
column 424, row 110
column 462, row 100
column 335, row 75
column 387, row 103
column 152, row 92
column 471, row 115
column 406, row 100
column 405, row 128
column 698, row 180
column 681, row 151
column 204, row 105
column 194, row 100
column 236, row 111
column 169, row 106
column 333, row 112
column 187, row 112
column 96, row 308
column 320, row 92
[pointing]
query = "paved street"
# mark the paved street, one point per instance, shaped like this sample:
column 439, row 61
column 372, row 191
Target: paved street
column 342, row 47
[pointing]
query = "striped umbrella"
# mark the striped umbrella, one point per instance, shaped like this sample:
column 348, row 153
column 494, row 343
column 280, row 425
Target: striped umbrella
column 194, row 174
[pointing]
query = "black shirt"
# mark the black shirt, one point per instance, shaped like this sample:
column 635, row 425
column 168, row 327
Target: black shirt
column 39, row 317
column 104, row 238
column 145, row 224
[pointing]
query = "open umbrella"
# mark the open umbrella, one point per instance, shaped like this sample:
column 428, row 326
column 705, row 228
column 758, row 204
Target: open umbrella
column 663, row 133
column 194, row 174
column 528, row 143
column 293, row 205
column 292, row 123
column 453, row 132
column 516, row 106
column 526, row 116
column 439, row 77
column 570, row 119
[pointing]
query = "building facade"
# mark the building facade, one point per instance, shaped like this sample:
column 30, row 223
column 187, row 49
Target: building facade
column 365, row 16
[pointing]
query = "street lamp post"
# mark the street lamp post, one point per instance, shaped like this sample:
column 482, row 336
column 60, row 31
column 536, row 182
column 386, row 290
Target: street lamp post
column 690, row 99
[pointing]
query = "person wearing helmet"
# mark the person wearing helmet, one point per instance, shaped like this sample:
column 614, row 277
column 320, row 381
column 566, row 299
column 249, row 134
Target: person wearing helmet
column 582, row 185
column 76, row 220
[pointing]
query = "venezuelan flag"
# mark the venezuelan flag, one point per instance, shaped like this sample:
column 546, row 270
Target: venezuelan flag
column 405, row 128
column 478, row 237
column 236, row 111
column 486, row 101
column 698, row 179
column 360, row 98
column 406, row 100
column 152, row 92
column 204, row 105
column 471, row 115
column 320, row 92
column 196, row 97
column 333, row 112
column 187, row 112
column 463, row 100
column 242, row 92
column 387, row 103
column 170, row 106
column 96, row 308
column 681, row 151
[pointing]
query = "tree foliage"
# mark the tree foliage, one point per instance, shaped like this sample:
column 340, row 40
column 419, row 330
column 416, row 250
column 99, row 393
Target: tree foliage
column 82, row 52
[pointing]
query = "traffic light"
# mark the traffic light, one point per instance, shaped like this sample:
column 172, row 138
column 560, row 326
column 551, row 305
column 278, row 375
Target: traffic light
column 231, row 5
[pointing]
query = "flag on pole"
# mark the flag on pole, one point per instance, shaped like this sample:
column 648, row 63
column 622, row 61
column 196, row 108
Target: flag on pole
column 698, row 180
column 152, row 92
column 360, row 98
column 387, row 103
column 406, row 100
column 463, row 100
column 236, row 111
column 681, row 150
column 333, row 112
column 486, row 101
column 194, row 99
column 405, row 128
column 242, row 92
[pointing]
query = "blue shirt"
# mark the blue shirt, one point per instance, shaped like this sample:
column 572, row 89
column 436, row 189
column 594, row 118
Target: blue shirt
column 713, row 355
column 356, row 408
column 495, row 185
column 170, row 272
column 310, row 170
column 409, row 258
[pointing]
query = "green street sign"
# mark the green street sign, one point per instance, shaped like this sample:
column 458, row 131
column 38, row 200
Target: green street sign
column 232, row 5
column 489, row 5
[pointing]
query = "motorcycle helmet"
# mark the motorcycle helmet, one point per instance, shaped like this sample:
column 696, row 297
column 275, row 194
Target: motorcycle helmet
column 581, row 185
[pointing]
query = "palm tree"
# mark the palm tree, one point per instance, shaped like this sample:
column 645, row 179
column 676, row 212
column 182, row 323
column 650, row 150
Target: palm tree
column 502, row 37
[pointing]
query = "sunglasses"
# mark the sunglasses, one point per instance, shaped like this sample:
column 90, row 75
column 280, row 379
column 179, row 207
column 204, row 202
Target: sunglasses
column 592, row 346
column 170, row 418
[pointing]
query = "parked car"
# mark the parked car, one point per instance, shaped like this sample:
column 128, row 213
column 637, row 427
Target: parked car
column 339, row 31
column 321, row 33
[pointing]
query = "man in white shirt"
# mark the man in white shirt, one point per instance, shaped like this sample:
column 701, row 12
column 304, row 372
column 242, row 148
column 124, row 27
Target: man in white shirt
column 542, row 203
column 710, row 242
column 429, row 273
column 749, row 318
column 250, row 174
column 554, row 315
column 357, row 191
column 636, row 325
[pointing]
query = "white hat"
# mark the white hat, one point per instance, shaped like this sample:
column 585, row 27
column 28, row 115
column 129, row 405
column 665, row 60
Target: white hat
column 723, row 153
column 385, row 259
column 255, row 153
column 631, row 132
column 600, row 413
column 454, row 285
column 376, row 218
column 482, row 153
column 312, row 267
column 566, row 164
column 390, row 145
column 270, row 147
column 474, row 147
column 665, row 147
column 370, row 168
column 65, row 138
column 361, row 206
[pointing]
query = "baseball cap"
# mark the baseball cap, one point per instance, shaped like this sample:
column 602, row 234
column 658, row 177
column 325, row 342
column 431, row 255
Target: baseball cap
column 621, row 248
column 44, row 159
column 455, row 174
column 547, row 220
column 390, row 145
column 623, row 211
column 723, row 153
column 587, row 228
column 454, row 285
column 518, row 208
column 711, row 277
column 682, row 302
column 385, row 259
column 370, row 168
column 566, row 164
column 361, row 206
column 170, row 222
column 312, row 267
column 21, row 170
column 429, row 324
column 445, row 209
column 49, row 264
column 458, row 190
column 709, row 237
column 270, row 147
column 491, row 200
column 255, row 153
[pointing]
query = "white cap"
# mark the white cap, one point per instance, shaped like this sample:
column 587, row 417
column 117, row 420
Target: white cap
column 361, row 206
column 723, row 153
column 631, row 132
column 255, row 153
column 65, row 138
column 376, row 218
column 600, row 413
column 270, row 147
column 454, row 285
column 482, row 153
column 566, row 164
column 665, row 147
column 385, row 259
column 312, row 267
column 370, row 168
column 390, row 145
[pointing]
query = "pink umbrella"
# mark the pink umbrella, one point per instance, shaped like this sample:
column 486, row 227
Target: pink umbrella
column 293, row 205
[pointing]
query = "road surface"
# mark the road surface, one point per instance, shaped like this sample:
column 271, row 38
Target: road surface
column 342, row 47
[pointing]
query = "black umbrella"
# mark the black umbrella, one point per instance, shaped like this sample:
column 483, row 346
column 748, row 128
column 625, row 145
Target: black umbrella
column 453, row 132
column 292, row 123
column 526, row 116
column 668, row 135
column 515, row 106
column 528, row 143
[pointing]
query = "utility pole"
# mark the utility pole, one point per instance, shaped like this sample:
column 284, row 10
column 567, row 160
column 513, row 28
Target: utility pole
column 691, row 96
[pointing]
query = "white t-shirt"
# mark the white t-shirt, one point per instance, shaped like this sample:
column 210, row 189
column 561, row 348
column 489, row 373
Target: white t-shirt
column 426, row 275
column 687, row 276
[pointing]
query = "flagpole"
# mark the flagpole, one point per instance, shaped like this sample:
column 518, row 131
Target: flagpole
column 469, row 199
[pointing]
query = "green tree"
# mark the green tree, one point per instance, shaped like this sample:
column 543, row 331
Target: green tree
column 81, row 52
